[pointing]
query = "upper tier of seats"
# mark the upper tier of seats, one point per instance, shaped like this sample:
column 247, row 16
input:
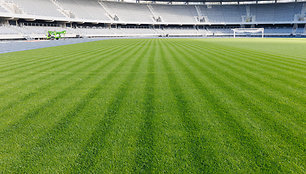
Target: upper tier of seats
column 38, row 7
column 176, row 14
column 277, row 12
column 2, row 10
column 228, row 13
column 129, row 12
column 118, row 12
column 89, row 9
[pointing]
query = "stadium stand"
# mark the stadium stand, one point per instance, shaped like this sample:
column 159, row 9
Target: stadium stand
column 10, row 32
column 178, row 14
column 276, row 12
column 279, row 31
column 224, row 14
column 97, row 18
column 89, row 9
column 2, row 10
column 38, row 7
column 130, row 12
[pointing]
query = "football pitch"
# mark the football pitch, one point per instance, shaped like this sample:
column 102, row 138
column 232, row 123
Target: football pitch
column 155, row 106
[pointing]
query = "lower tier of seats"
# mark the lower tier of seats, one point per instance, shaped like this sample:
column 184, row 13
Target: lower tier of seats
column 34, row 32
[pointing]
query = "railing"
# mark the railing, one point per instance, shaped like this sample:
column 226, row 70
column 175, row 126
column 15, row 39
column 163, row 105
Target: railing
column 109, row 14
column 65, row 12
column 155, row 17
column 199, row 12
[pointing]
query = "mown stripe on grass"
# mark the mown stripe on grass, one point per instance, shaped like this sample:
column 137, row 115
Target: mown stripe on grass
column 185, row 114
column 50, row 102
column 21, row 66
column 86, row 158
column 51, row 137
column 40, row 68
column 14, row 57
column 73, row 64
column 217, row 151
column 44, row 54
column 258, row 89
column 63, row 93
column 235, row 135
column 277, row 61
column 42, row 89
column 144, row 156
column 259, row 111
column 119, row 151
column 250, row 143
column 170, row 147
column 227, row 61
column 21, row 78
column 218, row 82
column 262, row 61
column 279, row 58
column 283, row 104
column 253, row 63
column 271, row 69
column 288, row 61
column 209, row 153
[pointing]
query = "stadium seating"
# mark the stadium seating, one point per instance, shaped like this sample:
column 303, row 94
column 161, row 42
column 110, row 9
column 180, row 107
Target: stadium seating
column 38, row 7
column 276, row 12
column 171, row 14
column 278, row 31
column 135, row 14
column 300, row 30
column 220, row 31
column 89, row 9
column 2, row 10
column 30, row 32
column 176, row 13
column 130, row 12
column 223, row 14
column 8, row 30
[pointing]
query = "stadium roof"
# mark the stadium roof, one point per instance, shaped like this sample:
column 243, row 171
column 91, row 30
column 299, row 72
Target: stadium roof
column 225, row 1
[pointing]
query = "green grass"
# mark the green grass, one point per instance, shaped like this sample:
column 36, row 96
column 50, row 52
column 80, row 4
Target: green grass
column 155, row 106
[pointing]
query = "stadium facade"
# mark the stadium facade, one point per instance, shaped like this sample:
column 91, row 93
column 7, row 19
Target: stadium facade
column 32, row 19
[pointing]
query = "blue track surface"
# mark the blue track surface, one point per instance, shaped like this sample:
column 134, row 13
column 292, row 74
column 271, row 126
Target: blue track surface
column 12, row 46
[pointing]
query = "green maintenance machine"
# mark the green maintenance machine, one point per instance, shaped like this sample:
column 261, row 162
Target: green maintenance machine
column 51, row 35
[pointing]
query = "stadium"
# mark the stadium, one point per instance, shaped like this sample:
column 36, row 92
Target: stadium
column 32, row 19
column 180, row 86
